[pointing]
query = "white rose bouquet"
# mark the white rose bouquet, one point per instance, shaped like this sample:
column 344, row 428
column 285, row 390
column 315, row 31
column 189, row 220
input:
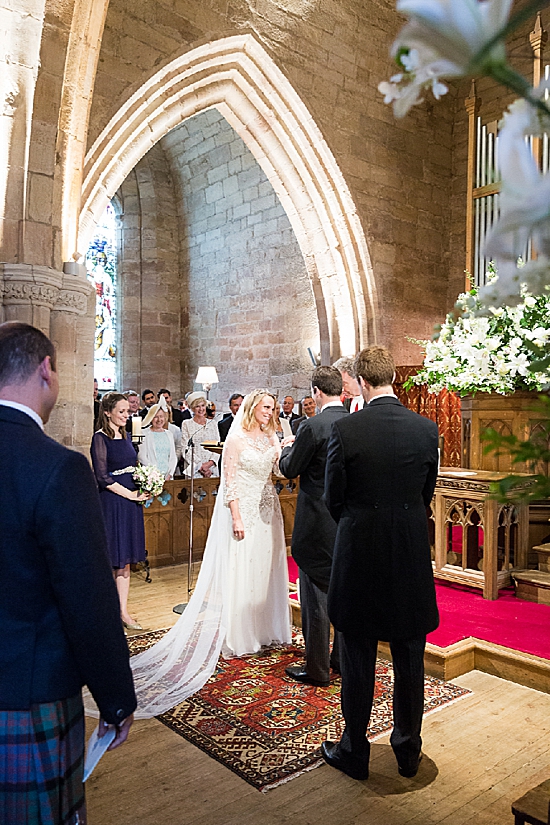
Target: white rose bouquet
column 148, row 479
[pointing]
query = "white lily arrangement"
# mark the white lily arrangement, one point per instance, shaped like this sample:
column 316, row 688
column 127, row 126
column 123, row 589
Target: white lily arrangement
column 496, row 351
column 445, row 39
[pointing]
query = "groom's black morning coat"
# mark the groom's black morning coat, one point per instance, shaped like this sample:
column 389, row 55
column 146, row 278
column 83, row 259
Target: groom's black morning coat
column 381, row 471
column 314, row 528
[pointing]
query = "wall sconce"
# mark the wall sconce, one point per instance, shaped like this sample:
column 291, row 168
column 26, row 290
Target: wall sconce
column 315, row 357
column 207, row 376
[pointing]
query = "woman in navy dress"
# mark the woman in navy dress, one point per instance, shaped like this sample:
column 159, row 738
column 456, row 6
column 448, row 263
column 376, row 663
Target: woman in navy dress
column 114, row 460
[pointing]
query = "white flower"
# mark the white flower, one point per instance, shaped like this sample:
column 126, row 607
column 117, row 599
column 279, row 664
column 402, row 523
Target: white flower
column 489, row 353
column 524, row 209
column 446, row 38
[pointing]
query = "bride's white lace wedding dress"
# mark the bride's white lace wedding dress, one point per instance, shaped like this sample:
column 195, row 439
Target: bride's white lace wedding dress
column 257, row 576
column 240, row 601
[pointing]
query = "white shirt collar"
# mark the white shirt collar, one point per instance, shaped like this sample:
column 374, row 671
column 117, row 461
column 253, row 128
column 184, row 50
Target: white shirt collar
column 384, row 395
column 331, row 404
column 24, row 409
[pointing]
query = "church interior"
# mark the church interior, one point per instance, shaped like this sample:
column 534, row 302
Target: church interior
column 219, row 182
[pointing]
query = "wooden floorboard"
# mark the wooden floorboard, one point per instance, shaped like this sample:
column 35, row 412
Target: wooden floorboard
column 481, row 754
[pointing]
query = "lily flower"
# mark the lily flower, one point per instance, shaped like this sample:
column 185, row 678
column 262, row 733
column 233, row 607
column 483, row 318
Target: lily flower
column 524, row 210
column 448, row 39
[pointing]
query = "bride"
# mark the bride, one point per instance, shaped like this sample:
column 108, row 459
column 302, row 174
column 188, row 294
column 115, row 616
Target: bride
column 240, row 602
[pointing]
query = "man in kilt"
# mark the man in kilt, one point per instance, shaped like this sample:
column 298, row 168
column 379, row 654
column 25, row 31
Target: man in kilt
column 59, row 609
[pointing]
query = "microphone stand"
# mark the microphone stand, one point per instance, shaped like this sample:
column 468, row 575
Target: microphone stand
column 179, row 608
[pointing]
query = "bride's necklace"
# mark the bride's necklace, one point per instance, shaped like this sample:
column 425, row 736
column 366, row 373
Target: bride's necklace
column 257, row 437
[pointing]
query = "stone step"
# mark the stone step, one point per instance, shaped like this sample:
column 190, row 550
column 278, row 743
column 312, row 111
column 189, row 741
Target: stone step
column 543, row 555
column 532, row 585
column 534, row 806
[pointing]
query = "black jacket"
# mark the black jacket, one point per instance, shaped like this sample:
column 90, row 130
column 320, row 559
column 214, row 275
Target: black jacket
column 314, row 528
column 59, row 609
column 224, row 425
column 381, row 472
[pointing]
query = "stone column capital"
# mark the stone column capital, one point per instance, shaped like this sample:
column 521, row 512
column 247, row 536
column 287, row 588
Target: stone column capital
column 74, row 295
column 42, row 286
column 29, row 284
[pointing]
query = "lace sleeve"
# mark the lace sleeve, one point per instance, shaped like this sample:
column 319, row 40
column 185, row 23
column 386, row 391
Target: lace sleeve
column 230, row 463
column 276, row 443
column 184, row 436
column 99, row 461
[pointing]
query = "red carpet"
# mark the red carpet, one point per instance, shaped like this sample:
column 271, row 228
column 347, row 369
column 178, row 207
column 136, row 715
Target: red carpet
column 508, row 621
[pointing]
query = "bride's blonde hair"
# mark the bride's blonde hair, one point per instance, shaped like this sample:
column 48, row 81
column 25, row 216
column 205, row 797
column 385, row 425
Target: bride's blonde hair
column 252, row 400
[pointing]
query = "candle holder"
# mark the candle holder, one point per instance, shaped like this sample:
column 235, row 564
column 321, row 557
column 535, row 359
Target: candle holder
column 137, row 434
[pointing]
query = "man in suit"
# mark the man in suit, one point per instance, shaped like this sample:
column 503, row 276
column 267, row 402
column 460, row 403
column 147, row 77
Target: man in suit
column 309, row 408
column 177, row 415
column 382, row 465
column 97, row 401
column 354, row 400
column 133, row 407
column 59, row 608
column 287, row 409
column 314, row 528
column 225, row 424
column 149, row 398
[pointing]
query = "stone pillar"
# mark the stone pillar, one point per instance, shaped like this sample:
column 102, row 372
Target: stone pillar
column 29, row 293
column 62, row 306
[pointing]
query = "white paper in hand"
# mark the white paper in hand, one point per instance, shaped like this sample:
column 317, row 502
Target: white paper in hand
column 96, row 748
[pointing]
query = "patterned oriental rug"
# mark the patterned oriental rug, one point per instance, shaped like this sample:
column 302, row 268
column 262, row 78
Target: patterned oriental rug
column 267, row 728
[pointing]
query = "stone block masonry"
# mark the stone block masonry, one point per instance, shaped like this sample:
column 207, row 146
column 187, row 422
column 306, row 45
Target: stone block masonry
column 244, row 281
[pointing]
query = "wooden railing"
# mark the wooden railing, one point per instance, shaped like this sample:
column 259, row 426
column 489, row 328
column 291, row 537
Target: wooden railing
column 475, row 540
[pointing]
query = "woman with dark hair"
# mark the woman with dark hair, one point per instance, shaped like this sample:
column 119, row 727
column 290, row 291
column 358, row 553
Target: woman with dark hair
column 114, row 461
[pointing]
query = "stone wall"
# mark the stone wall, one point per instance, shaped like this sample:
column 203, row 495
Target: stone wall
column 246, row 295
column 334, row 54
column 149, row 278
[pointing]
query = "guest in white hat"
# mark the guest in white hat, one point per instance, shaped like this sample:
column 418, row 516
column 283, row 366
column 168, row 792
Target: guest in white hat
column 158, row 446
column 200, row 428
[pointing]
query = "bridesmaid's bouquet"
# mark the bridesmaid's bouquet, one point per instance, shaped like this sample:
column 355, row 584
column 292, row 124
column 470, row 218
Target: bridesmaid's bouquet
column 148, row 479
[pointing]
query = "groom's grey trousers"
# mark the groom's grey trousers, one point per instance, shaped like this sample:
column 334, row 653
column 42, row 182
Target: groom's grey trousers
column 316, row 630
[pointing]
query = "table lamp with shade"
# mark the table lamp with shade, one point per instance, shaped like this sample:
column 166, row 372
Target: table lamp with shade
column 207, row 376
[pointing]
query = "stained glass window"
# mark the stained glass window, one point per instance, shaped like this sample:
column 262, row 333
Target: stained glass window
column 101, row 263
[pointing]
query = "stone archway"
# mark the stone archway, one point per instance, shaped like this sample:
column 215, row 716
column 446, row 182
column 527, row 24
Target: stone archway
column 236, row 76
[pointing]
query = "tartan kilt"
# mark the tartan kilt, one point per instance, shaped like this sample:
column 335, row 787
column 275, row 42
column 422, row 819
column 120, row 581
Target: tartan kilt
column 41, row 764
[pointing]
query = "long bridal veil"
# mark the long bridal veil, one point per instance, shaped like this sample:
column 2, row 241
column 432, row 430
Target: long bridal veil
column 184, row 659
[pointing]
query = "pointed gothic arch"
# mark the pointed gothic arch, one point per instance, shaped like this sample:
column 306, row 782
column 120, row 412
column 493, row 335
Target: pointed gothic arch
column 236, row 76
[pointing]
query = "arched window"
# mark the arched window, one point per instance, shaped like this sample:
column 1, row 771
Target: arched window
column 101, row 263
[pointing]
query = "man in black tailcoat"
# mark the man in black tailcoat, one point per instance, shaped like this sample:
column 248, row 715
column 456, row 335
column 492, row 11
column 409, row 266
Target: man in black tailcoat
column 59, row 609
column 225, row 424
column 381, row 472
column 314, row 528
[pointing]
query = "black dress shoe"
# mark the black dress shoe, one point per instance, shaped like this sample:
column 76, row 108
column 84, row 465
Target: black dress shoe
column 411, row 769
column 332, row 754
column 300, row 674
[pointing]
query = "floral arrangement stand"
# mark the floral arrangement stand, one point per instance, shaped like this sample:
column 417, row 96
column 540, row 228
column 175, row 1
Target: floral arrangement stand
column 534, row 585
column 506, row 414
column 477, row 540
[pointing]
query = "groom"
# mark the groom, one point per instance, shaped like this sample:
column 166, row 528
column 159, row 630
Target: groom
column 314, row 528
column 381, row 472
